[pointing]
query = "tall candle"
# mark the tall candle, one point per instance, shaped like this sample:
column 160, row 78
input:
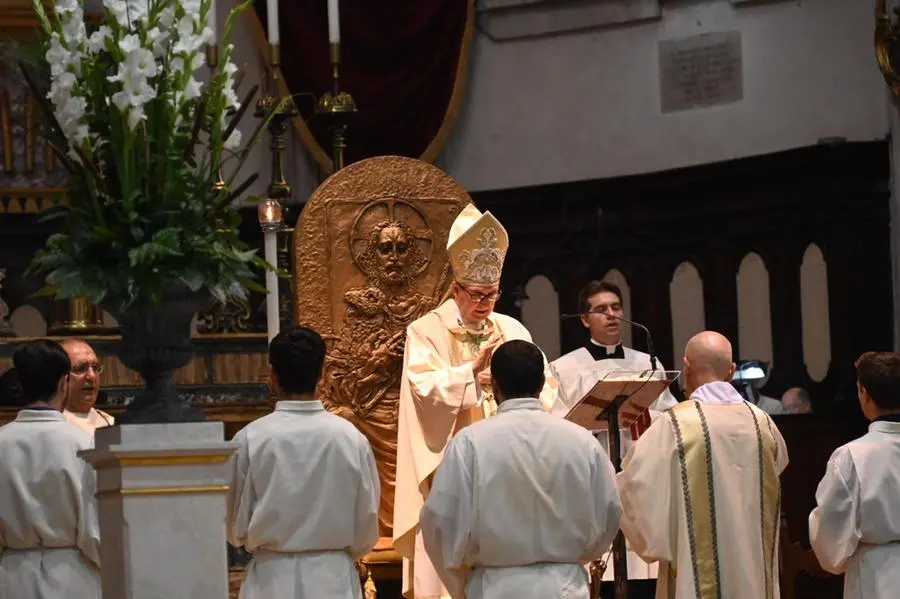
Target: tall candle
column 272, row 13
column 212, row 21
column 273, row 323
column 334, row 22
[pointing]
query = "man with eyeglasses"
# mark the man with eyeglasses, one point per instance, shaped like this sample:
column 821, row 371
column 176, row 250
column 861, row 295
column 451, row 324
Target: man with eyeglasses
column 599, row 303
column 446, row 382
column 84, row 387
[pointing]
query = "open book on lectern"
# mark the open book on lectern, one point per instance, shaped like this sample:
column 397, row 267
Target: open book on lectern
column 636, row 391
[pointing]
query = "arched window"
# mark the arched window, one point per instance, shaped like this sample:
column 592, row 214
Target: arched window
column 814, row 311
column 688, row 312
column 754, row 310
column 540, row 315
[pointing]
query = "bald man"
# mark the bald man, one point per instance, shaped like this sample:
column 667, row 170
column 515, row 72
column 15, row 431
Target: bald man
column 796, row 401
column 700, row 490
column 84, row 387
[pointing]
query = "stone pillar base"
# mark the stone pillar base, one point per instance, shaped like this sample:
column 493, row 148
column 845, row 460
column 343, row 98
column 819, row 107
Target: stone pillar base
column 161, row 503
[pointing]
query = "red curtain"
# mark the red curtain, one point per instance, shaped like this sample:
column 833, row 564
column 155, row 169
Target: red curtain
column 402, row 60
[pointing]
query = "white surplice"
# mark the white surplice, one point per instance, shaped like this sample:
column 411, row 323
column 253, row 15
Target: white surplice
column 304, row 501
column 49, row 532
column 519, row 504
column 577, row 372
column 89, row 421
column 439, row 396
column 701, row 494
column 855, row 528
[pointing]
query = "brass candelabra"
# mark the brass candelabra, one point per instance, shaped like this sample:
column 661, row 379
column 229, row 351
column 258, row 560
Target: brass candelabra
column 337, row 106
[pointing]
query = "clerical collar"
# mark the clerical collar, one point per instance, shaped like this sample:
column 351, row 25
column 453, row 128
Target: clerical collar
column 605, row 352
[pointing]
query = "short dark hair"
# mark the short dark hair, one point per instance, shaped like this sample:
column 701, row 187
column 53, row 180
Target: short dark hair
column 879, row 374
column 11, row 390
column 592, row 289
column 517, row 368
column 40, row 365
column 297, row 356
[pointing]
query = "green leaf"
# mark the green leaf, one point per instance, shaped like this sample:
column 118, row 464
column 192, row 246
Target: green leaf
column 192, row 278
column 54, row 213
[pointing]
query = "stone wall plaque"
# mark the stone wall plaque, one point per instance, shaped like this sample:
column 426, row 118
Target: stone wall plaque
column 702, row 70
column 369, row 258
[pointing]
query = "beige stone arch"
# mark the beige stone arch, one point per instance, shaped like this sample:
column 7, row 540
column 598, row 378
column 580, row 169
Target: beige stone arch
column 814, row 313
column 688, row 309
column 540, row 315
column 754, row 309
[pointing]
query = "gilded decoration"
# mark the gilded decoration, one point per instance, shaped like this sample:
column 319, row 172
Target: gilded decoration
column 370, row 257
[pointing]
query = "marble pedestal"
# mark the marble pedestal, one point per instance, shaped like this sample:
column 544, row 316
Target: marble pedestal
column 161, row 504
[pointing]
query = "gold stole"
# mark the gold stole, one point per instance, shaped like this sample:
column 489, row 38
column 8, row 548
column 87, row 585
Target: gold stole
column 769, row 494
column 698, row 486
column 464, row 346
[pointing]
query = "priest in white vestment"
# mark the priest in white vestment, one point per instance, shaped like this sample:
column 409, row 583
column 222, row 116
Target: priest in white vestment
column 84, row 387
column 49, row 532
column 600, row 306
column 521, row 501
column 854, row 529
column 446, row 380
column 700, row 489
column 304, row 488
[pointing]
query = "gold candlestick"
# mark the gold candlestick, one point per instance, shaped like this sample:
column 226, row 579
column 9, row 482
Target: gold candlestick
column 282, row 110
column 337, row 105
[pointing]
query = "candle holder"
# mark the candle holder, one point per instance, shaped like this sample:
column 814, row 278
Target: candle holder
column 282, row 110
column 337, row 105
column 279, row 110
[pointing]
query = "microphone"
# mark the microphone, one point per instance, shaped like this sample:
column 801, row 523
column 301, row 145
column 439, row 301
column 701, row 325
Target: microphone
column 650, row 349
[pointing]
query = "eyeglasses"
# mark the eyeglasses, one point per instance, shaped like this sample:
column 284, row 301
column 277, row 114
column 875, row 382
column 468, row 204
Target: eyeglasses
column 82, row 369
column 479, row 298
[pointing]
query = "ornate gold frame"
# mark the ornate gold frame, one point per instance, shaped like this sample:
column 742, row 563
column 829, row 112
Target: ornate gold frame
column 887, row 34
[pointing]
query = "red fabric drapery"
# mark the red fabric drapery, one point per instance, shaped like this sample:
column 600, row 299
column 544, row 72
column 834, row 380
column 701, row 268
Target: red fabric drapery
column 403, row 61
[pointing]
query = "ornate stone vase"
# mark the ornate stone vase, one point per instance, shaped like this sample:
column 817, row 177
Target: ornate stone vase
column 156, row 341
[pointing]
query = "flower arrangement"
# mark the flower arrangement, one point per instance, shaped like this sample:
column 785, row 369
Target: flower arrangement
column 146, row 143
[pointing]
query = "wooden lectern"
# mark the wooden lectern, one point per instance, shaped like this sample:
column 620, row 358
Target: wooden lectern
column 620, row 396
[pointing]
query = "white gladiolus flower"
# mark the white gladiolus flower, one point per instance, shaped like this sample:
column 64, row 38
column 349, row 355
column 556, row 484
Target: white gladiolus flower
column 140, row 61
column 167, row 16
column 121, row 100
column 118, row 9
column 97, row 42
column 57, row 56
column 159, row 40
column 234, row 141
column 192, row 89
column 139, row 92
column 129, row 43
column 65, row 7
column 74, row 30
column 138, row 10
column 191, row 8
column 135, row 116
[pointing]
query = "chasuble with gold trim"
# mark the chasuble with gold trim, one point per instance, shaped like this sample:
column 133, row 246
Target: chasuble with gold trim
column 701, row 495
